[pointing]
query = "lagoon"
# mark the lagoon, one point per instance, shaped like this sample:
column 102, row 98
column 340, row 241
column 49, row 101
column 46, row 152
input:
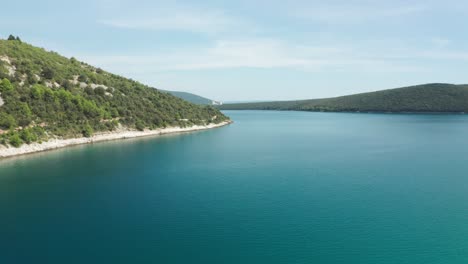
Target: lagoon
column 274, row 187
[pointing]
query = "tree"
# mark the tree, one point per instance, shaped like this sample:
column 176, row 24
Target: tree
column 48, row 73
column 139, row 125
column 15, row 140
column 5, row 86
column 88, row 90
column 7, row 121
column 87, row 131
column 27, row 136
column 66, row 84
column 100, row 91
column 11, row 37
column 23, row 114
column 82, row 78
column 31, row 79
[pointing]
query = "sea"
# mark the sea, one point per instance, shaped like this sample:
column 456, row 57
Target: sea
column 273, row 187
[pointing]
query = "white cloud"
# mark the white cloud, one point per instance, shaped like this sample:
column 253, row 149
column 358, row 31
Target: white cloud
column 253, row 53
column 256, row 53
column 180, row 19
column 440, row 42
column 443, row 55
column 352, row 13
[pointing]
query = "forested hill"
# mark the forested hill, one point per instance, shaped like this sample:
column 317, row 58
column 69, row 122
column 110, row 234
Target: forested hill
column 436, row 97
column 43, row 94
column 193, row 98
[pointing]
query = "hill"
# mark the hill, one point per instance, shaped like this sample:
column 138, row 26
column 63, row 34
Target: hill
column 436, row 97
column 193, row 98
column 44, row 95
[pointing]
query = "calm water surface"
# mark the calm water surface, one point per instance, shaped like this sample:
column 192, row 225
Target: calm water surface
column 274, row 187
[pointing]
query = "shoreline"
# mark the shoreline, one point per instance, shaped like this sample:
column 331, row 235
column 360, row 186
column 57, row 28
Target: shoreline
column 354, row 112
column 52, row 144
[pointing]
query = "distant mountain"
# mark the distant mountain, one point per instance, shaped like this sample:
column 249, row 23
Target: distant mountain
column 435, row 97
column 193, row 98
column 44, row 95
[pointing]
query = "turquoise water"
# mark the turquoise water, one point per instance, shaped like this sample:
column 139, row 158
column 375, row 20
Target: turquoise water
column 274, row 187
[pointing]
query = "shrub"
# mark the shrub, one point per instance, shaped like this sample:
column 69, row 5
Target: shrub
column 7, row 121
column 27, row 136
column 139, row 125
column 6, row 86
column 15, row 140
column 100, row 91
column 82, row 78
column 48, row 73
column 66, row 84
column 87, row 131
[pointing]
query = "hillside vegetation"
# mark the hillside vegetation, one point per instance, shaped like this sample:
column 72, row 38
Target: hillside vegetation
column 437, row 97
column 193, row 98
column 43, row 95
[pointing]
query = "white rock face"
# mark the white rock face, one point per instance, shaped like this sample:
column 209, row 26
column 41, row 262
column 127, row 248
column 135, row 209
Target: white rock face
column 10, row 68
column 5, row 59
column 1, row 101
column 75, row 79
column 94, row 86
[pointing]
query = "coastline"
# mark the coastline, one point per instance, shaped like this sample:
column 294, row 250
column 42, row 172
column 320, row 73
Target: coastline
column 121, row 133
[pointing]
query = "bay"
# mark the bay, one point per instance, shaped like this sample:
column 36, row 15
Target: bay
column 274, row 187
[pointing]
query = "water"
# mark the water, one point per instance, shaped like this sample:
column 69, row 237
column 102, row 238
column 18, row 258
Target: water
column 274, row 187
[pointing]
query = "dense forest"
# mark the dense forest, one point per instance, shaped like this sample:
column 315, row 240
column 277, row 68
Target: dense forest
column 43, row 95
column 436, row 97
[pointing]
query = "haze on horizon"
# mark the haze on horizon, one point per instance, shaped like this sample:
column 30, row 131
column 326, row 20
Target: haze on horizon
column 255, row 50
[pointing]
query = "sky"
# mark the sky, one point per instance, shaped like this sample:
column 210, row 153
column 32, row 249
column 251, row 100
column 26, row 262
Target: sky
column 255, row 50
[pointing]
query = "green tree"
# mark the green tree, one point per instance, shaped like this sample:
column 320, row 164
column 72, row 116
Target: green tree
column 23, row 114
column 11, row 37
column 140, row 125
column 7, row 121
column 15, row 140
column 27, row 136
column 48, row 73
column 82, row 78
column 5, row 86
column 66, row 84
column 87, row 131
column 37, row 92
column 100, row 91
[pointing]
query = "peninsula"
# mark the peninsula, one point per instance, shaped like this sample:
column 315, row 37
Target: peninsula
column 426, row 98
column 49, row 101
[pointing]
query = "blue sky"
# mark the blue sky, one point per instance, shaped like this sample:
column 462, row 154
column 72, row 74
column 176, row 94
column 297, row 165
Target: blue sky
column 255, row 50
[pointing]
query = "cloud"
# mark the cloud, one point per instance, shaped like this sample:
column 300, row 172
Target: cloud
column 180, row 19
column 253, row 53
column 352, row 13
column 443, row 55
column 440, row 42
